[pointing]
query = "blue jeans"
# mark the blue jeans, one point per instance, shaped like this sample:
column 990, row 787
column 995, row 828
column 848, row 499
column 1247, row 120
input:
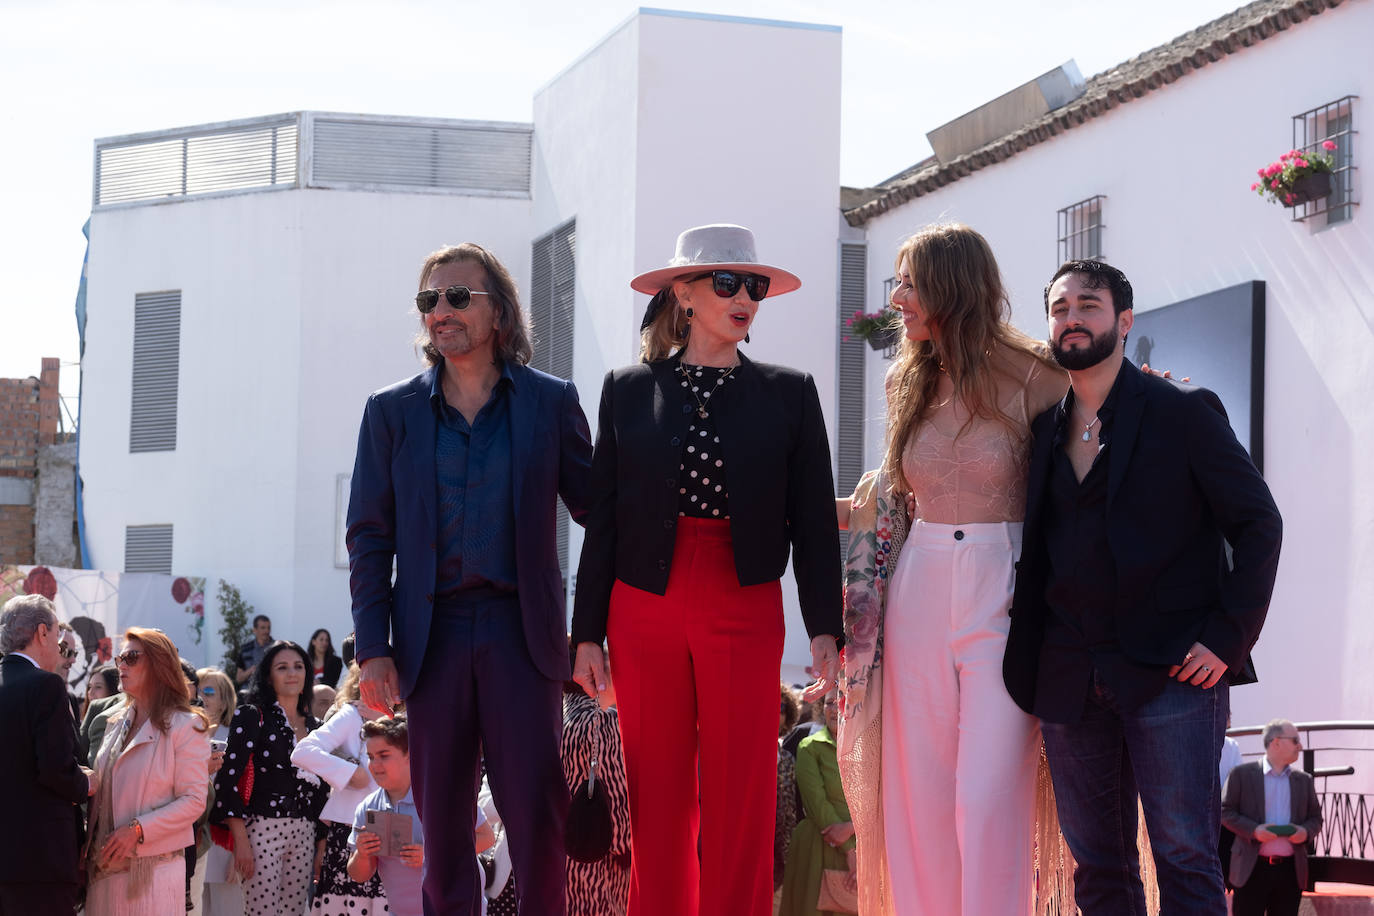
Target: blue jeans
column 1167, row 754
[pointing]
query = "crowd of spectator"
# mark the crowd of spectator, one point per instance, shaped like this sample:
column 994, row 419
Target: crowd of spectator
column 240, row 791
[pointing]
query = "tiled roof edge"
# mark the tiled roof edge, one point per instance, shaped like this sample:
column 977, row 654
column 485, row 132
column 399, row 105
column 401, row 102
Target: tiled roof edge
column 1137, row 77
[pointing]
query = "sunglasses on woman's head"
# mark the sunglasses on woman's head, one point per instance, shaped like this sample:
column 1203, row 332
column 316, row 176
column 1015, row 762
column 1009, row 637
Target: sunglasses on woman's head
column 725, row 283
column 426, row 300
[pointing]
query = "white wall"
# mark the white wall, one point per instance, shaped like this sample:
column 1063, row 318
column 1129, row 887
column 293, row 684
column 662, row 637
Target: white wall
column 295, row 305
column 675, row 120
column 1180, row 220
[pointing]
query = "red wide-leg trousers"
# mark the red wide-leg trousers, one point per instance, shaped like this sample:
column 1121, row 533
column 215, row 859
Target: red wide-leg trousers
column 696, row 678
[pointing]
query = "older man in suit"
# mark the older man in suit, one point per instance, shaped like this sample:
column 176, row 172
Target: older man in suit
column 1272, row 809
column 457, row 478
column 1127, row 622
column 38, row 768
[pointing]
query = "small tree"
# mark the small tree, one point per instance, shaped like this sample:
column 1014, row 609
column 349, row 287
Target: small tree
column 235, row 613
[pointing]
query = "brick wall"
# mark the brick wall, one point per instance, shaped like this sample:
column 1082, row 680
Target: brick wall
column 28, row 420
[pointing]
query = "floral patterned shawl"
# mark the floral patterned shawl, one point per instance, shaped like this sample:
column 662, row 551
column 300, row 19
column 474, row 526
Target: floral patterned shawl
column 877, row 529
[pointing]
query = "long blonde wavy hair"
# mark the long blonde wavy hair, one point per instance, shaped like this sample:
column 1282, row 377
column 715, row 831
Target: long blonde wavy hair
column 960, row 290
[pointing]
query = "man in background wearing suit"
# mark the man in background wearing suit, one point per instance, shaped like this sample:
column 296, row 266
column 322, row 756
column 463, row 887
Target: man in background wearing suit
column 1272, row 809
column 38, row 768
column 1127, row 619
column 457, row 478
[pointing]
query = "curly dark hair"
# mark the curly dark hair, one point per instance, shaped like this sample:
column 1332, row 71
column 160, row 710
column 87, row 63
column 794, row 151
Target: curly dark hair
column 260, row 692
column 1097, row 275
column 392, row 729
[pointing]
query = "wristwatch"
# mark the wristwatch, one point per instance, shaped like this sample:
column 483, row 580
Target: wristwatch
column 138, row 828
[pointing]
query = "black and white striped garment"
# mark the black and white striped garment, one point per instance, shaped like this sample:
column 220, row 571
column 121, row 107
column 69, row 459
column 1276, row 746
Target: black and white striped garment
column 598, row 888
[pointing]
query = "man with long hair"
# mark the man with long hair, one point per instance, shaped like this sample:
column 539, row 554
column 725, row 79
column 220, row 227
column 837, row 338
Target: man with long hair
column 456, row 481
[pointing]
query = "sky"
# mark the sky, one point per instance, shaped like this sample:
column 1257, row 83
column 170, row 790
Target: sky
column 76, row 70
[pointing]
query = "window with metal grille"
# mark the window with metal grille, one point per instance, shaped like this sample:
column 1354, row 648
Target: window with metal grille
column 157, row 358
column 1080, row 230
column 850, row 370
column 148, row 549
column 1334, row 122
column 553, row 295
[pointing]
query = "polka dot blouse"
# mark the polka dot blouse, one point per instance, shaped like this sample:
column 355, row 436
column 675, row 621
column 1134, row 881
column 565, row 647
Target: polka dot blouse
column 279, row 789
column 702, row 492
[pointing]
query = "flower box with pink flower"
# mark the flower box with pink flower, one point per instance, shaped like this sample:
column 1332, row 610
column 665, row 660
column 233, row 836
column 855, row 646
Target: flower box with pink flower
column 1298, row 177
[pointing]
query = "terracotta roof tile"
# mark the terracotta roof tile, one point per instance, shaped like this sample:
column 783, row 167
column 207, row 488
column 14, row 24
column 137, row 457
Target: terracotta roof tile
column 1125, row 82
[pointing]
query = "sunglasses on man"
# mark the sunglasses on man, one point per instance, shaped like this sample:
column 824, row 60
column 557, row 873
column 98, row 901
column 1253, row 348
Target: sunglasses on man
column 726, row 283
column 458, row 297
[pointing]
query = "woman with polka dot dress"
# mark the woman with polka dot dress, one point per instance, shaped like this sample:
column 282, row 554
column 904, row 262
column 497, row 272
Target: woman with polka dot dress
column 709, row 470
column 274, row 828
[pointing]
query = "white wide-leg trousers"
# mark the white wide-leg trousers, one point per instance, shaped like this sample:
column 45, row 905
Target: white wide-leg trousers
column 959, row 757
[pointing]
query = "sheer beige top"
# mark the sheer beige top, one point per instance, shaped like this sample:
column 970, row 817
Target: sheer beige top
column 964, row 471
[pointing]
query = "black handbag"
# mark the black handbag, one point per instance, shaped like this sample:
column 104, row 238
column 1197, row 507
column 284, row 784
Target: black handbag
column 588, row 830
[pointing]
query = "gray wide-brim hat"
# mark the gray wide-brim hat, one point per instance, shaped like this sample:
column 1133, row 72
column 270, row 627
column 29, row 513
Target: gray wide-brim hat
column 720, row 246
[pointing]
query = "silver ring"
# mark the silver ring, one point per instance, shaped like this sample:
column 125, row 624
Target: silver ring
column 1205, row 668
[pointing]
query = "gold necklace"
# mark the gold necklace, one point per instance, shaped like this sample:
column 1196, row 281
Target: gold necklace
column 701, row 405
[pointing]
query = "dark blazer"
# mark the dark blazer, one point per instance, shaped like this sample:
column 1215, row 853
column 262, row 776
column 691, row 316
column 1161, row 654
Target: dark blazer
column 333, row 667
column 393, row 515
column 1242, row 810
column 777, row 465
column 1179, row 484
column 38, row 770
column 93, row 726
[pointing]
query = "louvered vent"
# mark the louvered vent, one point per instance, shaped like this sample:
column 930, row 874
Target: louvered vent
column 458, row 157
column 157, row 356
column 553, row 293
column 257, row 155
column 148, row 549
column 849, row 414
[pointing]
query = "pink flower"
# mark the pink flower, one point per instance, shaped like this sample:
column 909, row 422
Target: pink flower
column 1255, row 186
column 1300, row 163
column 1328, row 145
column 1288, row 198
column 1274, row 184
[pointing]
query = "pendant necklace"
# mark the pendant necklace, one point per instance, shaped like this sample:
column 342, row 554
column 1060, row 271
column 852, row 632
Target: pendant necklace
column 1088, row 429
column 701, row 405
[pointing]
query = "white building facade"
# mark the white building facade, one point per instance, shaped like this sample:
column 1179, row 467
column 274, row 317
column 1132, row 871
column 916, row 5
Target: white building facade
column 250, row 283
column 1168, row 167
column 292, row 287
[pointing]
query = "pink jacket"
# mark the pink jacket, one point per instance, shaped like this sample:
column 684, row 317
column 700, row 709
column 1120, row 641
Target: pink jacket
column 161, row 779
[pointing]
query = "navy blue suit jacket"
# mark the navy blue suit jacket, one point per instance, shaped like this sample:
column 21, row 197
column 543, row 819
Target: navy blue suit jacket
column 393, row 514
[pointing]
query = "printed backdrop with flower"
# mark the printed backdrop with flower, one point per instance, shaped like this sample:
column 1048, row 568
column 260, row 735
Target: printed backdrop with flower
column 100, row 605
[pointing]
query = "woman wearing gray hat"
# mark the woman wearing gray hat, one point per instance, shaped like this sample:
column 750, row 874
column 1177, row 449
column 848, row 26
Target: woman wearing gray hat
column 709, row 469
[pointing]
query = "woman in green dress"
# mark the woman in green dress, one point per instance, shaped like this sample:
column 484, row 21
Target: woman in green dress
column 824, row 838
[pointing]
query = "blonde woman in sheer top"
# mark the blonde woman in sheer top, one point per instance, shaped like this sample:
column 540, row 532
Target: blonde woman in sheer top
column 958, row 758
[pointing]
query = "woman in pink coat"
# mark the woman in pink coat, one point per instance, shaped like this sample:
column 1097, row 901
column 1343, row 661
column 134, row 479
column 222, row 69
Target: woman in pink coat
column 152, row 785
